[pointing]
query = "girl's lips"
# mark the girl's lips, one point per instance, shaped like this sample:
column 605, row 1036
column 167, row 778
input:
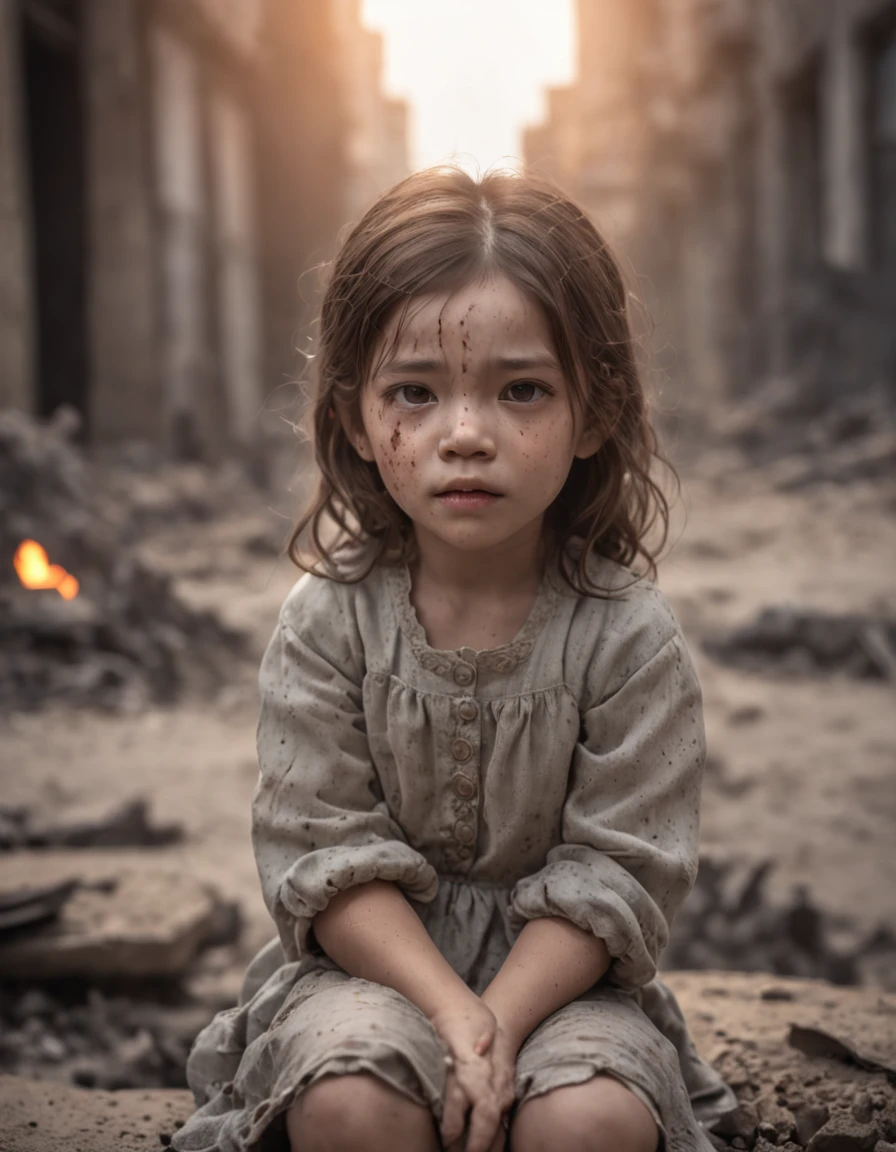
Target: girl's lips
column 475, row 498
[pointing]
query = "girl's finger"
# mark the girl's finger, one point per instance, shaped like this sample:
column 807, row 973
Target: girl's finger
column 485, row 1121
column 500, row 1140
column 454, row 1113
column 483, row 1044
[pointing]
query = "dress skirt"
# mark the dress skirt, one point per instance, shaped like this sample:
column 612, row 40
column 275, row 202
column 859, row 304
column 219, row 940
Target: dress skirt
column 250, row 1064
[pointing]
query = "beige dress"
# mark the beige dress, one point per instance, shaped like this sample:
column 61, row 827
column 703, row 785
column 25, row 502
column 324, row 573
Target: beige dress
column 558, row 775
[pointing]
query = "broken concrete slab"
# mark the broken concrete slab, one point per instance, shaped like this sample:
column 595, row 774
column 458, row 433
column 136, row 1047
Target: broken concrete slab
column 129, row 917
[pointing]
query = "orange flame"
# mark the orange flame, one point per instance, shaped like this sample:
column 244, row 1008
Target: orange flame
column 35, row 571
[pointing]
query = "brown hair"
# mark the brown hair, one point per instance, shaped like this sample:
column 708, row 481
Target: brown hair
column 439, row 230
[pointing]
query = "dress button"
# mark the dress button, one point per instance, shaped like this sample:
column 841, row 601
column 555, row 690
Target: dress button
column 463, row 786
column 461, row 750
column 464, row 852
column 464, row 675
column 464, row 833
column 467, row 710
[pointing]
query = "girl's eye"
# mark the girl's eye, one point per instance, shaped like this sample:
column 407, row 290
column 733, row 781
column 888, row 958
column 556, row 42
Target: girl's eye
column 414, row 395
column 524, row 392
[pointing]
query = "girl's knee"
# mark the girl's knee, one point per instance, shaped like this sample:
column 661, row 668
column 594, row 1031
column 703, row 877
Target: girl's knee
column 357, row 1111
column 600, row 1115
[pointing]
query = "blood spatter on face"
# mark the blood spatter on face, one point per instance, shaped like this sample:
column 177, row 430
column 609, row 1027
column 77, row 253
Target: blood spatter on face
column 396, row 437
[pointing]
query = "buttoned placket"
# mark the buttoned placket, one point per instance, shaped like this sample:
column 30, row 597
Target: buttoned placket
column 464, row 750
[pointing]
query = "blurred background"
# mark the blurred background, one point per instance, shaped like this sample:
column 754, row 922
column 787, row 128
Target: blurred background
column 170, row 171
column 174, row 177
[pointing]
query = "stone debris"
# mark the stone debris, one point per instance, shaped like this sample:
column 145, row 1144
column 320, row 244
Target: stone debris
column 804, row 440
column 817, row 1042
column 125, row 824
column 120, row 921
column 801, row 642
column 786, row 1098
column 95, row 1038
column 128, row 637
column 27, row 907
column 729, row 922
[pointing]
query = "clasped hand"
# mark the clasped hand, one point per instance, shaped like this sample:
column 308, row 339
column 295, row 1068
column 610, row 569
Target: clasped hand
column 479, row 1084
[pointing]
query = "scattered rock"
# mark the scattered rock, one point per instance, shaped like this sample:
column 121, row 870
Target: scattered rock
column 810, row 1117
column 805, row 642
column 745, row 1037
column 91, row 826
column 818, row 1042
column 843, row 1133
column 741, row 1121
column 728, row 921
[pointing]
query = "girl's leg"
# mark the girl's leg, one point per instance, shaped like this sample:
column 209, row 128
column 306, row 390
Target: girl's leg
column 599, row 1115
column 358, row 1112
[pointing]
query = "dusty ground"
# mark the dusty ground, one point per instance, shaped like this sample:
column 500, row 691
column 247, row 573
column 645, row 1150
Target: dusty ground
column 801, row 768
column 740, row 1022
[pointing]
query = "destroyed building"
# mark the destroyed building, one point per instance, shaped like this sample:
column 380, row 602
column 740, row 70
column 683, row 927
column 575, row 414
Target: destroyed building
column 169, row 169
column 742, row 153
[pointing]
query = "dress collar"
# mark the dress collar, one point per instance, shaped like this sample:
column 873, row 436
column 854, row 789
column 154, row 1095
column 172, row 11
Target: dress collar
column 451, row 663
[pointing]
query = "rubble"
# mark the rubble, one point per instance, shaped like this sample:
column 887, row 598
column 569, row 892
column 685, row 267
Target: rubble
column 797, row 641
column 91, row 826
column 127, row 638
column 83, row 1035
column 804, row 439
column 729, row 922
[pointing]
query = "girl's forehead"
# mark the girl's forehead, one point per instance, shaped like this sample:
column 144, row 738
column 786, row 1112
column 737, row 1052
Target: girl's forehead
column 492, row 309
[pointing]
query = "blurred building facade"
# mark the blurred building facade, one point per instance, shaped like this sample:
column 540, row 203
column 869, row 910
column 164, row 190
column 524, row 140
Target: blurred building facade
column 377, row 146
column 168, row 170
column 742, row 153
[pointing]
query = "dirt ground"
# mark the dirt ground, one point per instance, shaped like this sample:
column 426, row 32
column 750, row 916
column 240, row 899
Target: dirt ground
column 801, row 767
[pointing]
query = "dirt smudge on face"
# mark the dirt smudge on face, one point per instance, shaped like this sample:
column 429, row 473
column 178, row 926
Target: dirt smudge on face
column 396, row 437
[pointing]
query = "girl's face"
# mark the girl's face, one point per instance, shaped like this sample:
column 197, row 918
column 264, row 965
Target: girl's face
column 469, row 418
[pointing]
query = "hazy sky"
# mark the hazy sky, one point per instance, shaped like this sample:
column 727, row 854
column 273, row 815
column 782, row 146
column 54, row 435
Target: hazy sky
column 474, row 71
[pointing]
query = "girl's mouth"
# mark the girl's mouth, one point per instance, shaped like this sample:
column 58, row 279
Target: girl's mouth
column 467, row 498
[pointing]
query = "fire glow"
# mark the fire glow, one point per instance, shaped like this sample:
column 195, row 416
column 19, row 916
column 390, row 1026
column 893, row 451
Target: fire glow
column 35, row 571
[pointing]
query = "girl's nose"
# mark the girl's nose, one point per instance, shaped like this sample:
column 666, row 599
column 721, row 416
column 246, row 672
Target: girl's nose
column 466, row 432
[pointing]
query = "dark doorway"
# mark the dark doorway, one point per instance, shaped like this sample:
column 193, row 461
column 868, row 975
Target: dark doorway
column 54, row 135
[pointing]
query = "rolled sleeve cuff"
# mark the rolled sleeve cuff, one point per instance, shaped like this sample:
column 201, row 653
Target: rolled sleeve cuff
column 611, row 906
column 320, row 876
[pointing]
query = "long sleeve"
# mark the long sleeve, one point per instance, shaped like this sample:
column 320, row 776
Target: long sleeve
column 630, row 821
column 320, row 824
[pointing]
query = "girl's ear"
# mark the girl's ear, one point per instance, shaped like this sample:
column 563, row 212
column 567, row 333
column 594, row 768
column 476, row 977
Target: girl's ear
column 590, row 440
column 354, row 431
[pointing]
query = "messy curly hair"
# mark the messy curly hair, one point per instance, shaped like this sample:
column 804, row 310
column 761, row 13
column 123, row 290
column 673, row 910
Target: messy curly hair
column 437, row 231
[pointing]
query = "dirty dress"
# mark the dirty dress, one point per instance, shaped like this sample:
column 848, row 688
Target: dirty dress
column 557, row 775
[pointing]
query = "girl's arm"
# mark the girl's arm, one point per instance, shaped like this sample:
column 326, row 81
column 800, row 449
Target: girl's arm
column 551, row 964
column 372, row 932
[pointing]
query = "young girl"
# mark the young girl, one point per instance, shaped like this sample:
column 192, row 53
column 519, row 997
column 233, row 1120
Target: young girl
column 480, row 740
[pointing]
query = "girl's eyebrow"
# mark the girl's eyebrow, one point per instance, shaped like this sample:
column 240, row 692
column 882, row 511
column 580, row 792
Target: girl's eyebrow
column 509, row 363
column 416, row 365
